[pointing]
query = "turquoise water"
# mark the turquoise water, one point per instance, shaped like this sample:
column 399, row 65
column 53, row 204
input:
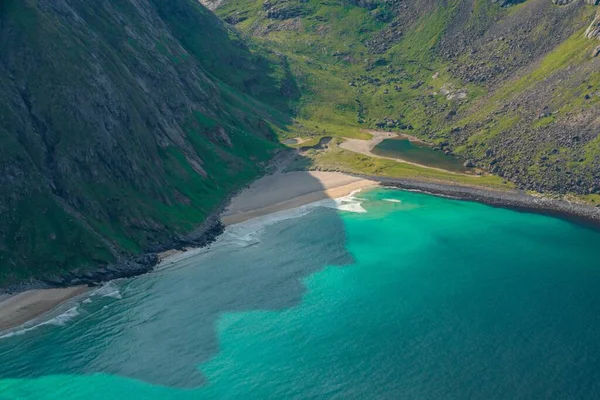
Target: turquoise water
column 419, row 153
column 419, row 297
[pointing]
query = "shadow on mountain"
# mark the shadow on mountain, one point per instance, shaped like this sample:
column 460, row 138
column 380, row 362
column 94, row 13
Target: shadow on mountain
column 167, row 323
column 122, row 124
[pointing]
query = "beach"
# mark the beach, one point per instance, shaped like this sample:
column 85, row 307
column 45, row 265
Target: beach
column 284, row 191
column 17, row 309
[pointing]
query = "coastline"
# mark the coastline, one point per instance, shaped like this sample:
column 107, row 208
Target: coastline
column 511, row 199
column 283, row 191
column 269, row 194
column 17, row 309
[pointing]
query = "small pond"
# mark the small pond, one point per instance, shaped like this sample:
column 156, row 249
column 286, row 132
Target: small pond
column 419, row 153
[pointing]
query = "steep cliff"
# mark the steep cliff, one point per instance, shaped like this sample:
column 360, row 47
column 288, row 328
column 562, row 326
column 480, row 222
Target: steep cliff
column 123, row 124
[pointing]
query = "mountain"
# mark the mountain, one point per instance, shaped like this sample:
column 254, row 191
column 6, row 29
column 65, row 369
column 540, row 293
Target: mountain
column 123, row 125
column 512, row 86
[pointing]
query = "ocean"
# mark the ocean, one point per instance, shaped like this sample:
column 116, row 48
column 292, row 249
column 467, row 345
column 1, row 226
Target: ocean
column 384, row 294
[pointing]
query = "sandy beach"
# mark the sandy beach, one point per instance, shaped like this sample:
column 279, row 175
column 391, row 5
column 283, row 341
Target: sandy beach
column 17, row 309
column 284, row 191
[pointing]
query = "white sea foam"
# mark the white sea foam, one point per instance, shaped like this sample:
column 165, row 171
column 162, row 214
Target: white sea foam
column 349, row 203
column 393, row 200
column 247, row 233
column 108, row 290
column 59, row 320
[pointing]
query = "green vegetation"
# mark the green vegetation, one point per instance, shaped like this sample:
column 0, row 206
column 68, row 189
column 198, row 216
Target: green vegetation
column 152, row 127
column 497, row 85
column 338, row 159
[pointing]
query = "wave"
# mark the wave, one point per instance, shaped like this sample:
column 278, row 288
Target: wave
column 107, row 290
column 393, row 200
column 247, row 233
column 349, row 203
column 59, row 320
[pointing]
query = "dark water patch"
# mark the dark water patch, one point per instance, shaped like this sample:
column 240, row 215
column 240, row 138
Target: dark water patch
column 420, row 153
column 165, row 324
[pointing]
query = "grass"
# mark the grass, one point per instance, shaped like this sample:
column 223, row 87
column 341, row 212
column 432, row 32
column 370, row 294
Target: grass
column 338, row 159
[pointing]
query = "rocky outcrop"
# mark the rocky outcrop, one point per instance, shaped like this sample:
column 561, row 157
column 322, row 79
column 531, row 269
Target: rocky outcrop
column 563, row 2
column 283, row 10
column 593, row 32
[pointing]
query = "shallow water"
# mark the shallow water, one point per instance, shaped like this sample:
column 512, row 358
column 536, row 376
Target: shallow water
column 419, row 153
column 398, row 295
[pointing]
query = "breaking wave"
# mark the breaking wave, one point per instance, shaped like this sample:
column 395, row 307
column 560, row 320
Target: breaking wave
column 59, row 320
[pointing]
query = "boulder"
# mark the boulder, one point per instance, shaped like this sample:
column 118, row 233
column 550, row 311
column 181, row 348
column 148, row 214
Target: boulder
column 593, row 31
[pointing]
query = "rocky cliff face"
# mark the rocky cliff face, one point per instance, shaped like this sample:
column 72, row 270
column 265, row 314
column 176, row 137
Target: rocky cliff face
column 122, row 125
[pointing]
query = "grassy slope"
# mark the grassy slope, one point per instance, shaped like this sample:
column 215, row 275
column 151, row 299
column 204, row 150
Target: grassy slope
column 327, row 52
column 327, row 49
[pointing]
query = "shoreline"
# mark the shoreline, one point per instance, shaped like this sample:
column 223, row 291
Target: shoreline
column 252, row 202
column 233, row 218
column 511, row 199
column 285, row 191
column 20, row 308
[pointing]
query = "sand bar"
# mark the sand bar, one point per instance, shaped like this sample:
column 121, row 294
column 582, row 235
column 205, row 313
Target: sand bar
column 20, row 308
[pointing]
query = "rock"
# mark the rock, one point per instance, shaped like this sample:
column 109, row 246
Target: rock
column 56, row 281
column 147, row 260
column 468, row 164
column 593, row 31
